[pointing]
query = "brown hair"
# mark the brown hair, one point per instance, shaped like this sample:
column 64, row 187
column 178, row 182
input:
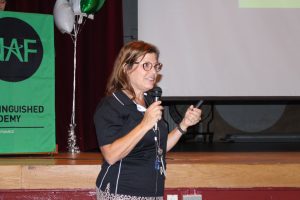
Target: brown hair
column 128, row 55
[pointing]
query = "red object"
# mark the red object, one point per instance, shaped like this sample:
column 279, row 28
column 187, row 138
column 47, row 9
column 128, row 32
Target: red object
column 207, row 194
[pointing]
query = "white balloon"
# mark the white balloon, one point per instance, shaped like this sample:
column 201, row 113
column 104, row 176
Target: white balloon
column 75, row 4
column 64, row 17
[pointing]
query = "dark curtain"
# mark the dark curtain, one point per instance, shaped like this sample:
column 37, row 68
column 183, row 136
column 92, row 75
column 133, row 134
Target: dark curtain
column 98, row 44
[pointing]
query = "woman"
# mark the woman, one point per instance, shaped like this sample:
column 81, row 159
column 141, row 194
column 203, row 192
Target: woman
column 134, row 152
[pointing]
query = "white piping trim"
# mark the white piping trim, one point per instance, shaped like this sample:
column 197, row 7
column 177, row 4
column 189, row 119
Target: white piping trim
column 117, row 184
column 140, row 107
column 104, row 176
column 118, row 99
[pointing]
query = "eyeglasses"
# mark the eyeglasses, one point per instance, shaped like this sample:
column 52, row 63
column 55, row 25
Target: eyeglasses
column 147, row 66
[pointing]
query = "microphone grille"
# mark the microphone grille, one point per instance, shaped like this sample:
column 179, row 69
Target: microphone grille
column 156, row 92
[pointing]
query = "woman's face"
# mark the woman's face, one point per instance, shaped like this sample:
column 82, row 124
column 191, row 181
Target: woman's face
column 2, row 4
column 140, row 79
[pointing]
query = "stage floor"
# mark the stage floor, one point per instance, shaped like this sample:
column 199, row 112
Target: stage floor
column 184, row 169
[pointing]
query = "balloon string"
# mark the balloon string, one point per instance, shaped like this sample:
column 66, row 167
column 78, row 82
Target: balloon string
column 77, row 25
column 74, row 80
column 72, row 137
column 73, row 148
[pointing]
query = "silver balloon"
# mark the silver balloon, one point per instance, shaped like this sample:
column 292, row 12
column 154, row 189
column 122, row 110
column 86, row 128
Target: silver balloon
column 64, row 17
column 75, row 4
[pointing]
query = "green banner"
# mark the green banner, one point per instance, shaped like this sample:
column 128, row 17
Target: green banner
column 27, row 87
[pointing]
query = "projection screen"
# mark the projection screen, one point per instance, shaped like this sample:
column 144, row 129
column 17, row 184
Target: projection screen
column 214, row 48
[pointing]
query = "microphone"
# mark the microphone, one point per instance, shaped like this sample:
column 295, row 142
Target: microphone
column 198, row 105
column 156, row 94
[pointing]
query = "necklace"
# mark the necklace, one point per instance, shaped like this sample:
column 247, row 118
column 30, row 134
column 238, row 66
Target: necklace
column 158, row 163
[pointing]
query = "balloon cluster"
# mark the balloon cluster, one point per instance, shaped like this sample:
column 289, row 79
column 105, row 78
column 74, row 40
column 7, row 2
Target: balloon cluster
column 68, row 17
column 65, row 12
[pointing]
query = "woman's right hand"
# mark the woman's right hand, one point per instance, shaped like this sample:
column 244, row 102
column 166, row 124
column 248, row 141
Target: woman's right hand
column 152, row 115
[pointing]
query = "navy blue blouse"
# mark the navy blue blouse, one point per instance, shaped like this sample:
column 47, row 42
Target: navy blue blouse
column 134, row 175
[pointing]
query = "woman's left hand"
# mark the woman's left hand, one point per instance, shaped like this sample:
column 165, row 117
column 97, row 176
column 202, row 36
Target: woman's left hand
column 191, row 117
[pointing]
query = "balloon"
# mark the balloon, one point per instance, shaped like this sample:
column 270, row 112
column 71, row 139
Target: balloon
column 64, row 17
column 100, row 4
column 75, row 4
column 91, row 6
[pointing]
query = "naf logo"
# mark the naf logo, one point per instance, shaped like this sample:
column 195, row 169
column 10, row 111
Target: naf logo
column 21, row 50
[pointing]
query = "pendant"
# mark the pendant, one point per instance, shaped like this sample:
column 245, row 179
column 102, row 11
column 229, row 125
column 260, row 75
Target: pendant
column 157, row 164
column 160, row 151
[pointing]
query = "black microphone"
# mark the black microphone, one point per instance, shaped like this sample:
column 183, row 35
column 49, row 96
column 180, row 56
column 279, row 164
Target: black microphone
column 156, row 94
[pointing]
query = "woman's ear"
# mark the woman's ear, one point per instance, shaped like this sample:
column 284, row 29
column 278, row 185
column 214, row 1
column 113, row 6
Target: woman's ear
column 125, row 66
